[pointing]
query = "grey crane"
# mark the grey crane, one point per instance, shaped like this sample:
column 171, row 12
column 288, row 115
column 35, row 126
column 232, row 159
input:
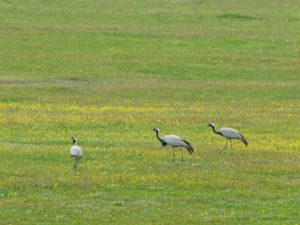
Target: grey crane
column 174, row 141
column 76, row 152
column 229, row 134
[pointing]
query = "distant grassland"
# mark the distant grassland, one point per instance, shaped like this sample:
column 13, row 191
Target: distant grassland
column 110, row 71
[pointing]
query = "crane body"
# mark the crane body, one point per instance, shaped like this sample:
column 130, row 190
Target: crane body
column 174, row 141
column 75, row 152
column 229, row 134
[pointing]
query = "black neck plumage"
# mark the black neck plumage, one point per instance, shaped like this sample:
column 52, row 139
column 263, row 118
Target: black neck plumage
column 158, row 137
column 215, row 130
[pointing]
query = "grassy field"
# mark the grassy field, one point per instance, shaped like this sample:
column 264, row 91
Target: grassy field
column 110, row 71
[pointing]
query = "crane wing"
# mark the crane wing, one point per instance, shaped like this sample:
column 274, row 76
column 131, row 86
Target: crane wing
column 229, row 133
column 173, row 140
column 232, row 134
column 176, row 141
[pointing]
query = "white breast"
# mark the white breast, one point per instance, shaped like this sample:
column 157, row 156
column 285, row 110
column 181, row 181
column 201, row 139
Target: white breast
column 75, row 150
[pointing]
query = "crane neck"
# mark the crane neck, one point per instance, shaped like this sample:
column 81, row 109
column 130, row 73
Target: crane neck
column 157, row 135
column 74, row 141
column 214, row 130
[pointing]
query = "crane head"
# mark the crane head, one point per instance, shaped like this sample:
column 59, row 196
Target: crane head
column 74, row 139
column 155, row 129
column 211, row 125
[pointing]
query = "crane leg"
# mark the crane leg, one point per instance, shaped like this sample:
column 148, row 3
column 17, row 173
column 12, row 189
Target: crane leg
column 173, row 155
column 231, row 146
column 76, row 162
column 224, row 147
column 181, row 155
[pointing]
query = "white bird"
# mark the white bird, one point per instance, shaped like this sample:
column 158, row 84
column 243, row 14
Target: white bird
column 229, row 134
column 174, row 141
column 75, row 152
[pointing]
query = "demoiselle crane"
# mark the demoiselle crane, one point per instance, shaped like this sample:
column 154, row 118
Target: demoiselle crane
column 174, row 141
column 229, row 134
column 76, row 152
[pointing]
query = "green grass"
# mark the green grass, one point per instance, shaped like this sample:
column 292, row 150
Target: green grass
column 110, row 71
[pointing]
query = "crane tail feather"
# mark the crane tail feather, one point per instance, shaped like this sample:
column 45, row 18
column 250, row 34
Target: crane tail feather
column 189, row 147
column 243, row 139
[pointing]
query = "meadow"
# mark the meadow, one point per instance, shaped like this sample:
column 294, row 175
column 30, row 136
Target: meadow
column 109, row 71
